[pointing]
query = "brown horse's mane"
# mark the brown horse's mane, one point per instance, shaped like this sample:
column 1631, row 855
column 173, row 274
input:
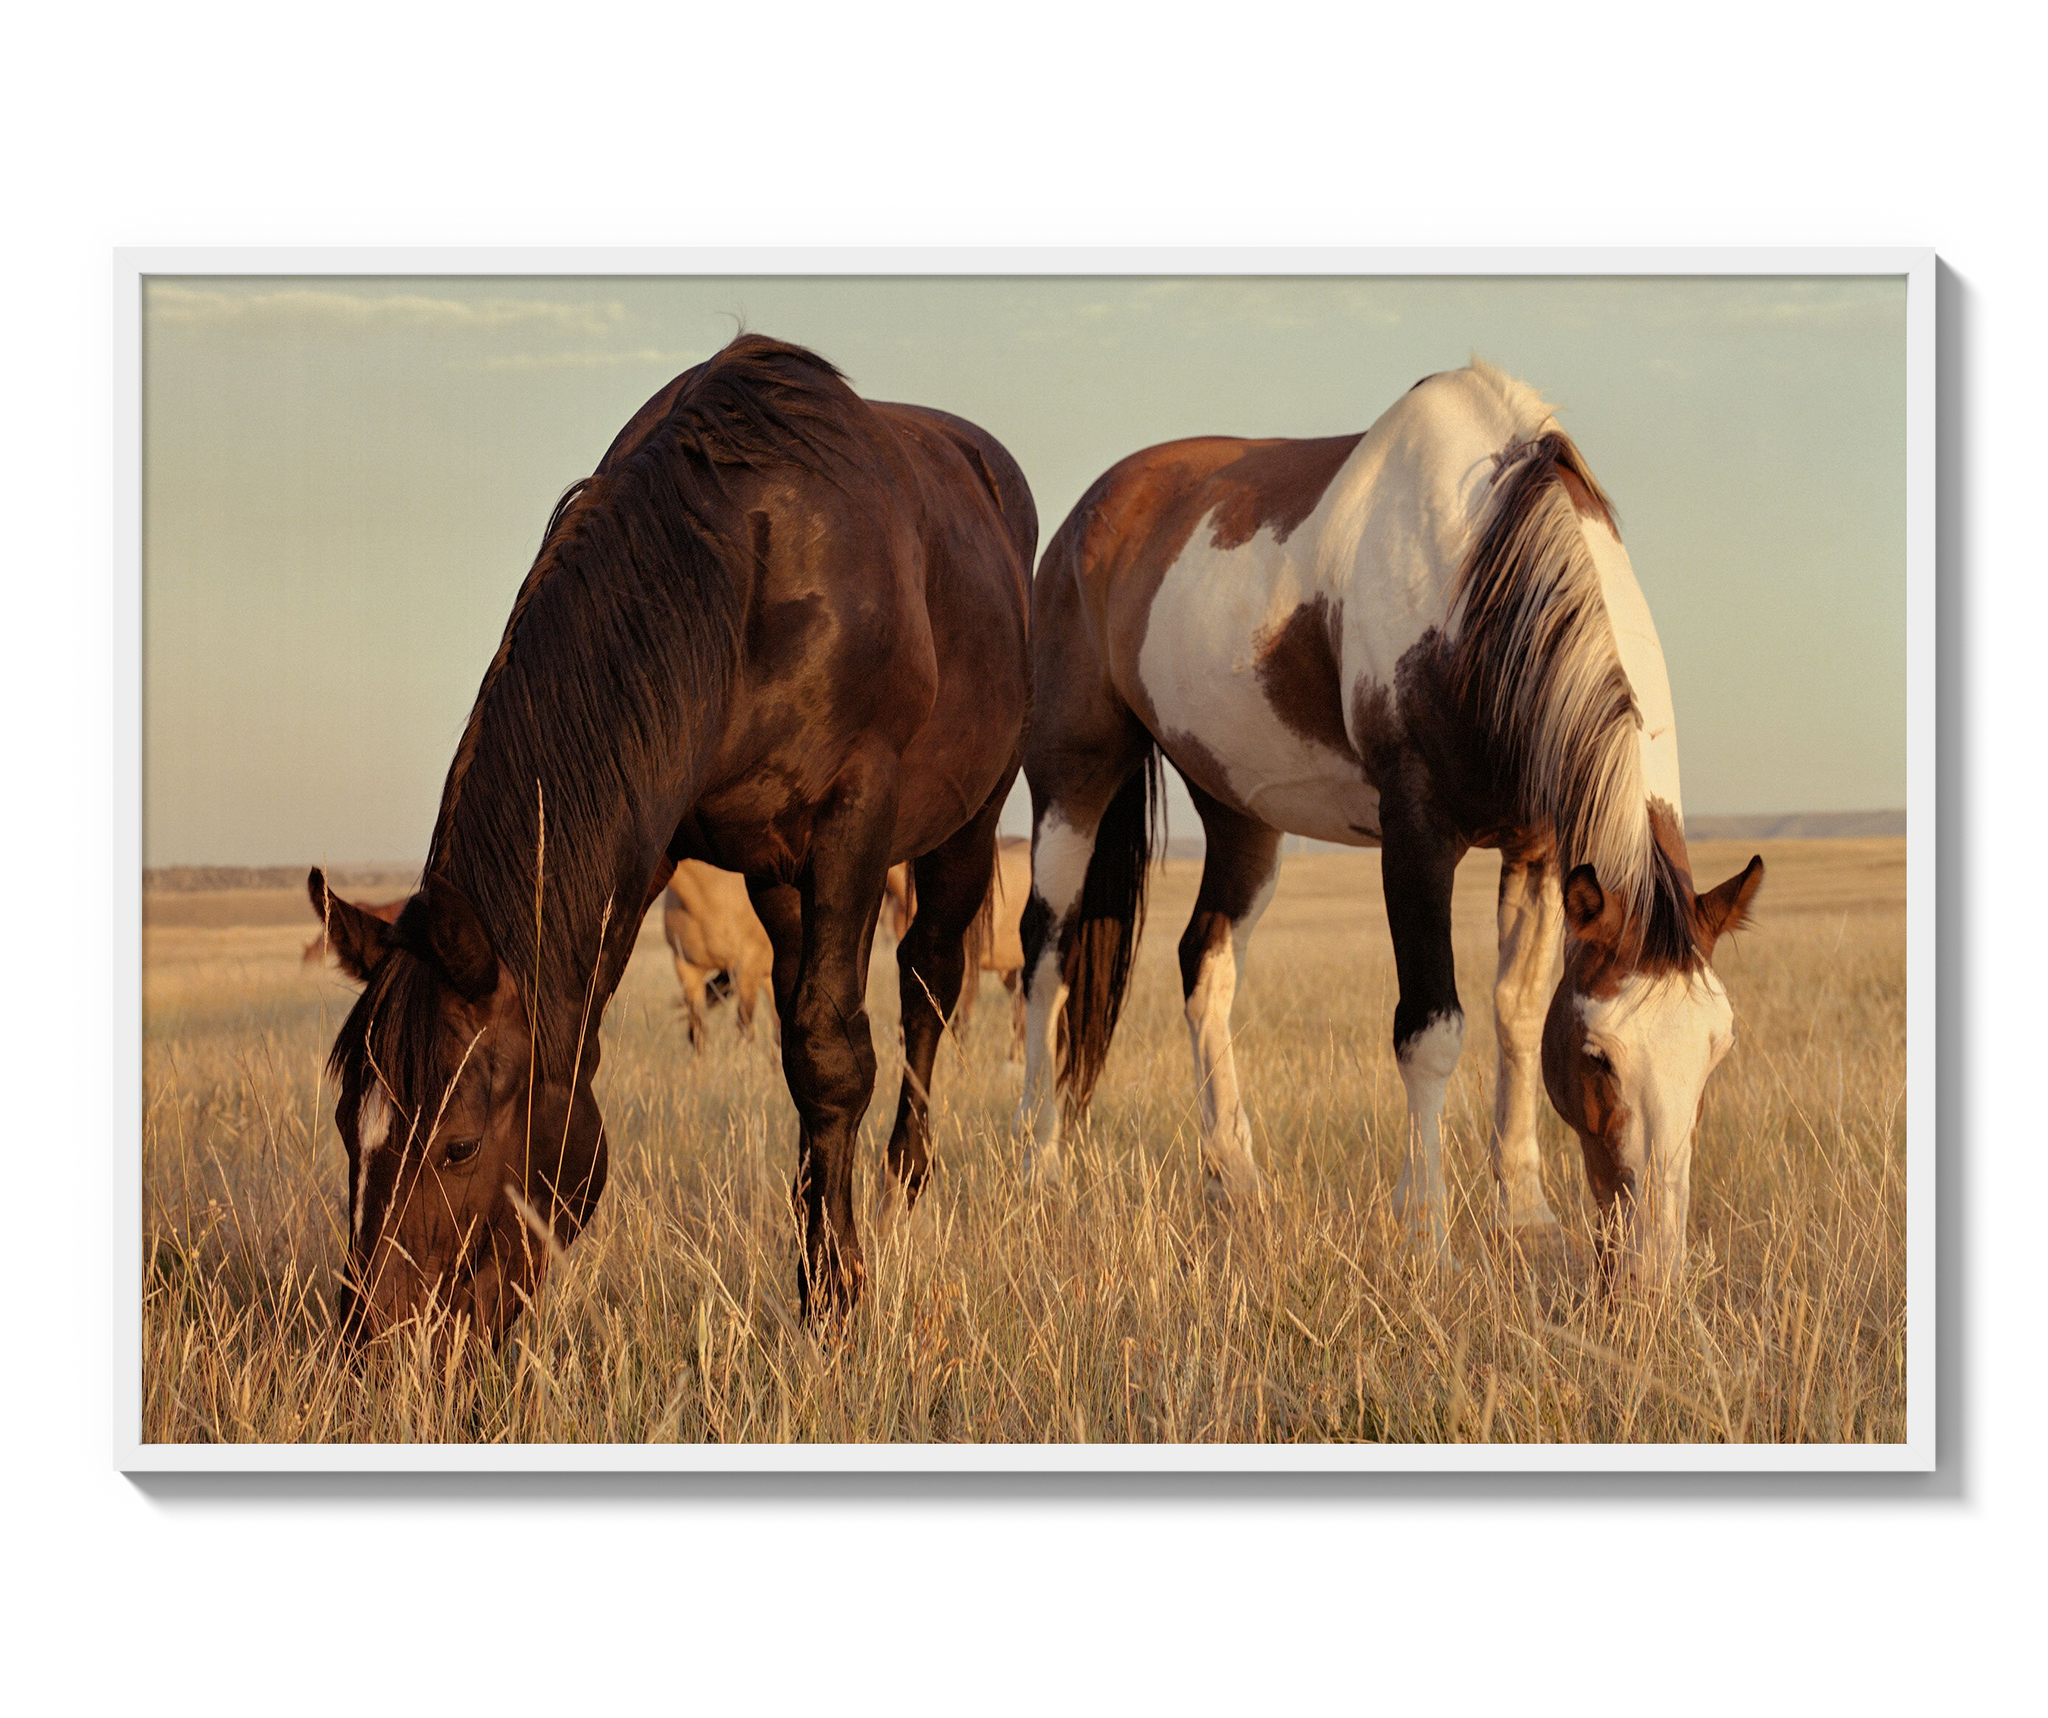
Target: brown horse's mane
column 608, row 685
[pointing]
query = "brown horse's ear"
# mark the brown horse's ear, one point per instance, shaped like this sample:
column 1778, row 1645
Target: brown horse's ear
column 360, row 940
column 439, row 925
column 1726, row 907
column 1590, row 913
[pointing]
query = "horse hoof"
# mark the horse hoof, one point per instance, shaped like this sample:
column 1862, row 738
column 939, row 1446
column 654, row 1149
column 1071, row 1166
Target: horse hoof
column 1532, row 1234
column 888, row 1206
column 1233, row 1182
column 1041, row 1170
column 1425, row 1243
column 894, row 1209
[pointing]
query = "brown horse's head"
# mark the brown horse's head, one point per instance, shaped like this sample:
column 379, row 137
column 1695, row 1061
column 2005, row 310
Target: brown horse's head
column 467, row 1160
column 1635, row 1028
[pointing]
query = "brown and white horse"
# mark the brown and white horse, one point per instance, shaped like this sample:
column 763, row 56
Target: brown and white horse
column 1425, row 638
column 712, row 929
column 995, row 943
column 781, row 630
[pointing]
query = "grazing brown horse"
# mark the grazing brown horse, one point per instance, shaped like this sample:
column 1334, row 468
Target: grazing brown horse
column 995, row 944
column 712, row 930
column 388, row 911
column 1423, row 638
column 781, row 629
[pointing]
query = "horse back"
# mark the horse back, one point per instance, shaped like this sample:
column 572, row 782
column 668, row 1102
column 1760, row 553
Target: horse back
column 934, row 432
column 888, row 608
column 978, row 533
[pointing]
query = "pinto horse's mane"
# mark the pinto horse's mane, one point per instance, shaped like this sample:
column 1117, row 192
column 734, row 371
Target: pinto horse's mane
column 1536, row 667
column 606, row 690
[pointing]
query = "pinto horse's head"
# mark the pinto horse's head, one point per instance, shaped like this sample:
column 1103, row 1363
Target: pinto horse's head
column 467, row 1162
column 1627, row 1047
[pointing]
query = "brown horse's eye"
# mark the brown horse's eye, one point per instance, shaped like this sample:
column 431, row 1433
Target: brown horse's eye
column 1598, row 1059
column 461, row 1151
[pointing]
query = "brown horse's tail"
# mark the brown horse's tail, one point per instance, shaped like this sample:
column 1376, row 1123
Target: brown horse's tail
column 1102, row 940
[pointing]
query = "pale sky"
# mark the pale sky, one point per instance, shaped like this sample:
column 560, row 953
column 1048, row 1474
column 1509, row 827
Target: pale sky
column 346, row 479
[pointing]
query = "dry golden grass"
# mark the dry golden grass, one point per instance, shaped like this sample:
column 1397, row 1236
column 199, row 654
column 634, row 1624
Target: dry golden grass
column 1119, row 1309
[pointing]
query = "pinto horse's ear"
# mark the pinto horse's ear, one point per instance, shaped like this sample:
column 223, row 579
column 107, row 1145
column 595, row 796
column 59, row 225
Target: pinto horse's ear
column 1590, row 913
column 360, row 939
column 1726, row 907
column 441, row 926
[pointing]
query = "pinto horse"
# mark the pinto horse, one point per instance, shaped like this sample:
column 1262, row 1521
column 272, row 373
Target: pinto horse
column 1424, row 638
column 781, row 630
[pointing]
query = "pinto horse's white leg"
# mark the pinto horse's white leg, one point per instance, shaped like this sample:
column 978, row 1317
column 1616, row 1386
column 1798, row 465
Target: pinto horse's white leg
column 1427, row 1061
column 1531, row 913
column 1418, row 866
column 1240, row 870
column 1059, row 868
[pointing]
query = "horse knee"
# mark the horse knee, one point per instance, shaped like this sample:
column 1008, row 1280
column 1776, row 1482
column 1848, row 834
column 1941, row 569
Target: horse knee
column 1430, row 1053
column 829, row 1059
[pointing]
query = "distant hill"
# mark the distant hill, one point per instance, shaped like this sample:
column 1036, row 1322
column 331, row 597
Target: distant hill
column 1739, row 826
column 195, row 879
column 394, row 879
column 1795, row 825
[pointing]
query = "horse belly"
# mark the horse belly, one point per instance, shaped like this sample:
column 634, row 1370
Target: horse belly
column 1244, row 690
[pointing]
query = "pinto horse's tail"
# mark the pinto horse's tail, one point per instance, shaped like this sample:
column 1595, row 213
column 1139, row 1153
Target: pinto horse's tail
column 1102, row 939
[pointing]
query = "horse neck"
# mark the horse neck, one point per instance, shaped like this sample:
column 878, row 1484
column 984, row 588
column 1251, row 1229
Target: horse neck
column 565, row 917
column 607, row 695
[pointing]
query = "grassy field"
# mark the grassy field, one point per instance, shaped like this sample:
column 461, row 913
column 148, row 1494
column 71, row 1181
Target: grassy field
column 1117, row 1309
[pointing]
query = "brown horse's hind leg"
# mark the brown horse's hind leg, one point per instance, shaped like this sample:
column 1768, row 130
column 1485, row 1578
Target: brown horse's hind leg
column 952, row 882
column 1240, row 868
column 828, row 1049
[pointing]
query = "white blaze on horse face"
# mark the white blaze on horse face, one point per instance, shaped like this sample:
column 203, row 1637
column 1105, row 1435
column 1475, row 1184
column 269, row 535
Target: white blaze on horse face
column 1663, row 1037
column 373, row 1128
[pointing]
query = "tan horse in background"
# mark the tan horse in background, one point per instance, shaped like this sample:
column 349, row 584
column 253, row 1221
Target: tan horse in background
column 713, row 931
column 999, row 929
